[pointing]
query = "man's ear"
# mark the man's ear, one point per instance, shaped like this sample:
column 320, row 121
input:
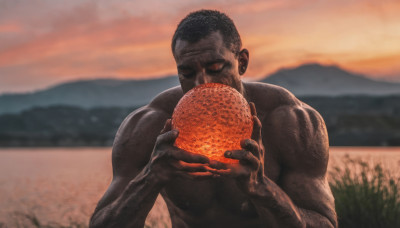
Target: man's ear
column 243, row 60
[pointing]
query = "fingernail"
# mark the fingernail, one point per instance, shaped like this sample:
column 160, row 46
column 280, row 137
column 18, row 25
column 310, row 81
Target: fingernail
column 228, row 153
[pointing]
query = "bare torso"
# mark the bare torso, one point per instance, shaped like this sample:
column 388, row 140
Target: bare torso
column 210, row 203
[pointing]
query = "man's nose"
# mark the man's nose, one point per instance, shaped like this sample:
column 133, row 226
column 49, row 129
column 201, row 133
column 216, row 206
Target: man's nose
column 202, row 78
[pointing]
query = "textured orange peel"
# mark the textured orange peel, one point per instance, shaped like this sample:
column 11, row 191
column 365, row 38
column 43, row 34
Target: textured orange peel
column 212, row 118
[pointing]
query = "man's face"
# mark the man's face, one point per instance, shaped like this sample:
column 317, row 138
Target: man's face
column 206, row 61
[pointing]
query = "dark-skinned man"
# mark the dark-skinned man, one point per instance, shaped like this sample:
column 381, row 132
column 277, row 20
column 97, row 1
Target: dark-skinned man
column 280, row 180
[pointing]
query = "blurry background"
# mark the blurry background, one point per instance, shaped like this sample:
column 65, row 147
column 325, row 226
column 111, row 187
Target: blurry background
column 70, row 72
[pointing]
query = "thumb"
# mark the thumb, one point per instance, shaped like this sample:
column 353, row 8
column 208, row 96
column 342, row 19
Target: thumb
column 168, row 137
column 167, row 126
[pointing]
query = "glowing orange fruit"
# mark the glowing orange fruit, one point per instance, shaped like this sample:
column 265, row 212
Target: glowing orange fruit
column 212, row 118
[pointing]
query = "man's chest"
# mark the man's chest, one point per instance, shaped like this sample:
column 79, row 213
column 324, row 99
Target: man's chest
column 222, row 194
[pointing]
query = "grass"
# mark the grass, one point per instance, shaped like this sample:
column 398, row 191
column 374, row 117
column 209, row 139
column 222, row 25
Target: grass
column 366, row 196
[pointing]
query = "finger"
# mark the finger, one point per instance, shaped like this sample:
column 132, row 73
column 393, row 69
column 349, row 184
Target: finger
column 218, row 165
column 222, row 172
column 253, row 109
column 256, row 134
column 252, row 146
column 167, row 137
column 235, row 172
column 244, row 157
column 167, row 126
column 189, row 157
column 189, row 167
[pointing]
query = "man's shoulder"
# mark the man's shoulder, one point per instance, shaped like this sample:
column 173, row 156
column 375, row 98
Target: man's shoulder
column 278, row 101
column 268, row 97
column 167, row 100
column 153, row 115
column 163, row 104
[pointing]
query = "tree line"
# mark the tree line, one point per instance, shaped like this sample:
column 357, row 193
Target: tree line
column 350, row 120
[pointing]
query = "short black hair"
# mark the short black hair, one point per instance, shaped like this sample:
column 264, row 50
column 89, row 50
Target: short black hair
column 202, row 23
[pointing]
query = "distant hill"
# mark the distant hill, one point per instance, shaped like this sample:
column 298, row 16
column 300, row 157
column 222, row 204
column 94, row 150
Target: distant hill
column 89, row 94
column 318, row 80
column 306, row 80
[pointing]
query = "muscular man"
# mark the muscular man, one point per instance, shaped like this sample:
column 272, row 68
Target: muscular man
column 280, row 180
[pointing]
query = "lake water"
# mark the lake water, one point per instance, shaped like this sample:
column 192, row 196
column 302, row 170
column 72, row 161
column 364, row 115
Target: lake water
column 64, row 184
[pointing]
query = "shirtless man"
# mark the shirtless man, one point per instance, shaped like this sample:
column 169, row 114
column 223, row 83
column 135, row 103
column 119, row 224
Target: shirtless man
column 280, row 180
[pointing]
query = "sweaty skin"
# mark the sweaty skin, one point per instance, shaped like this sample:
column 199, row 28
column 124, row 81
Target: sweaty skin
column 280, row 180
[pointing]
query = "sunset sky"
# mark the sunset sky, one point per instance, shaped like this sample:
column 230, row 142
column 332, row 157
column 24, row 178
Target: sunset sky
column 45, row 42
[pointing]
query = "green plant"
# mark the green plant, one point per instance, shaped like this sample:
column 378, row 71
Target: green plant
column 366, row 196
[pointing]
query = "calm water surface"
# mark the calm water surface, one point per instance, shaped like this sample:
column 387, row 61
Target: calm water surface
column 63, row 184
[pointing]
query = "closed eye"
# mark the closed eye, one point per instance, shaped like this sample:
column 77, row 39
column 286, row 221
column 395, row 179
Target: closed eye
column 187, row 74
column 186, row 71
column 215, row 67
column 190, row 75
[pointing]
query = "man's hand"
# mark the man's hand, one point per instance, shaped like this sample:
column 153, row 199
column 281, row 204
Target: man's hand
column 249, row 172
column 168, row 161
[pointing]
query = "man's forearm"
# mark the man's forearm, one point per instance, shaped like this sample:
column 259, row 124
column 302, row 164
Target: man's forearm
column 269, row 199
column 131, row 208
column 272, row 202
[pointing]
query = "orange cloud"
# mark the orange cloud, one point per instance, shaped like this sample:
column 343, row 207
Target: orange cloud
column 112, row 39
column 86, row 42
column 379, row 66
column 10, row 28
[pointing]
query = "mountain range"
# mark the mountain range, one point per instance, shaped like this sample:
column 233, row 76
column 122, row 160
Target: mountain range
column 305, row 80
column 318, row 80
column 89, row 94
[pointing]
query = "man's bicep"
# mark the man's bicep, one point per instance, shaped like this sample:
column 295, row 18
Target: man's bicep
column 135, row 140
column 297, row 136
